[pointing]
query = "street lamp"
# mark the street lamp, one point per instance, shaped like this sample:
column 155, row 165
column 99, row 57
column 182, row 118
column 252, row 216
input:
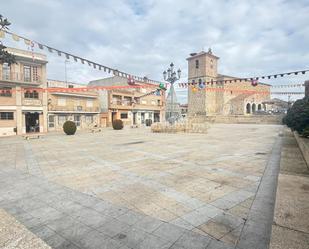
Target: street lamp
column 171, row 76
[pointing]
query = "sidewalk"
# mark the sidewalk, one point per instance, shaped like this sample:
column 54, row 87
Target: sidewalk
column 290, row 228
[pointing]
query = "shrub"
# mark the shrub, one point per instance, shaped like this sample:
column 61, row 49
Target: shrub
column 117, row 124
column 305, row 132
column 148, row 122
column 297, row 117
column 69, row 127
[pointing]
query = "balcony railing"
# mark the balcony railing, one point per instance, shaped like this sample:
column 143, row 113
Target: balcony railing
column 123, row 103
column 20, row 78
column 74, row 108
column 33, row 102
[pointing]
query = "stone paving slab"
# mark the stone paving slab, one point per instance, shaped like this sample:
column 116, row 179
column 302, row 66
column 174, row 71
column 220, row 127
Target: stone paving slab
column 162, row 190
column 15, row 235
column 291, row 220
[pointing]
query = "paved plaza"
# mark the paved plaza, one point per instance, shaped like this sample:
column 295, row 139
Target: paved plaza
column 136, row 189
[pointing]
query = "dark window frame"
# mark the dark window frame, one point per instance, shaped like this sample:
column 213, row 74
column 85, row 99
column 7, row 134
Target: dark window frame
column 124, row 113
column 5, row 91
column 6, row 115
column 31, row 94
column 197, row 64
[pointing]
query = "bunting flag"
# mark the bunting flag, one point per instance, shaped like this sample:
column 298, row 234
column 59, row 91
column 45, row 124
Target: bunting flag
column 2, row 34
column 27, row 42
column 82, row 60
column 15, row 37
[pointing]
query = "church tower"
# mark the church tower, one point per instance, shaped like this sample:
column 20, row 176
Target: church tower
column 202, row 67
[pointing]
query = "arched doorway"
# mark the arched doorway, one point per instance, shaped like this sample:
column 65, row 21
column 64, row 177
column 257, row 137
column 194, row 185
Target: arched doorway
column 248, row 108
column 253, row 108
column 259, row 107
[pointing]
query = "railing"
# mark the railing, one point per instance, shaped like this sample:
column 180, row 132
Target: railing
column 123, row 103
column 74, row 108
column 35, row 102
column 18, row 77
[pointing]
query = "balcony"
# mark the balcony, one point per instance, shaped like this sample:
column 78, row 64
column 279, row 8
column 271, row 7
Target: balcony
column 19, row 78
column 78, row 109
column 32, row 102
column 118, row 104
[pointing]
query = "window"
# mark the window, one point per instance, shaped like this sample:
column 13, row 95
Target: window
column 35, row 74
column 197, row 64
column 89, row 119
column 77, row 120
column 5, row 92
column 6, row 115
column 27, row 73
column 51, row 121
column 71, row 86
column 6, row 71
column 31, row 94
column 127, row 100
column 158, row 102
column 89, row 103
column 124, row 115
column 62, row 119
column 61, row 101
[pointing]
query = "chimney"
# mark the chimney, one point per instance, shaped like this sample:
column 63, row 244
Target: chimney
column 306, row 88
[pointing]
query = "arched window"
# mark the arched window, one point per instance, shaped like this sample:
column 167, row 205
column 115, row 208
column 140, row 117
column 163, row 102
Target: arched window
column 253, row 108
column 27, row 94
column 259, row 107
column 248, row 108
column 197, row 64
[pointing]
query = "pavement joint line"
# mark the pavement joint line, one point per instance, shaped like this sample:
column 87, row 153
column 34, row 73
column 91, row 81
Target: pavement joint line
column 273, row 163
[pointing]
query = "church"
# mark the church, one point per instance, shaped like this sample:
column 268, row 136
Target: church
column 211, row 93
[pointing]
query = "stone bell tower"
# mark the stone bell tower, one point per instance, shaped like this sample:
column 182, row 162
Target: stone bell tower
column 202, row 67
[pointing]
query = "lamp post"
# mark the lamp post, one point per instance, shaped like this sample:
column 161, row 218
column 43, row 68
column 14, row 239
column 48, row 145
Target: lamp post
column 171, row 76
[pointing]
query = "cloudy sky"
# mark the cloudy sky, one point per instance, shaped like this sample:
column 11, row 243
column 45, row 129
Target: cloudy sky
column 143, row 37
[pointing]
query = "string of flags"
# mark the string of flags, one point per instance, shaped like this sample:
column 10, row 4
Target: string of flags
column 131, row 78
column 77, row 89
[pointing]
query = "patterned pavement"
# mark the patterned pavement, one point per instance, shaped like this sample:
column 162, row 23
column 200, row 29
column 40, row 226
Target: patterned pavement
column 135, row 189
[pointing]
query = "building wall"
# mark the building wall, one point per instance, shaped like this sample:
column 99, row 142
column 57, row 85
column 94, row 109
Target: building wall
column 81, row 107
column 219, row 99
column 113, row 103
column 19, row 82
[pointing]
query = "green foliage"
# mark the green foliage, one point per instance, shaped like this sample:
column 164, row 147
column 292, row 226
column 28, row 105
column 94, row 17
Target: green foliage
column 297, row 117
column 117, row 124
column 305, row 132
column 5, row 57
column 69, row 127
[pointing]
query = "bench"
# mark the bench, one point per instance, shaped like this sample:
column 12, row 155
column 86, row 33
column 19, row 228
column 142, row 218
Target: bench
column 96, row 129
column 33, row 136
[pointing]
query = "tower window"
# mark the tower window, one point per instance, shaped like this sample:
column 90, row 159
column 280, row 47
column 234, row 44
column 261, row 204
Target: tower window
column 197, row 64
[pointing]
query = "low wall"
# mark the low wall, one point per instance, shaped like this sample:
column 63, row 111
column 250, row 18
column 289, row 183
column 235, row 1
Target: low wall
column 303, row 144
column 241, row 119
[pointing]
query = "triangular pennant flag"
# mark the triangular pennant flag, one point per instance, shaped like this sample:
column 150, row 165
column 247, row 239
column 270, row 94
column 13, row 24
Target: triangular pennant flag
column 59, row 53
column 89, row 64
column 75, row 59
column 49, row 49
column 27, row 42
column 67, row 56
column 40, row 46
column 15, row 37
column 2, row 34
column 303, row 72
